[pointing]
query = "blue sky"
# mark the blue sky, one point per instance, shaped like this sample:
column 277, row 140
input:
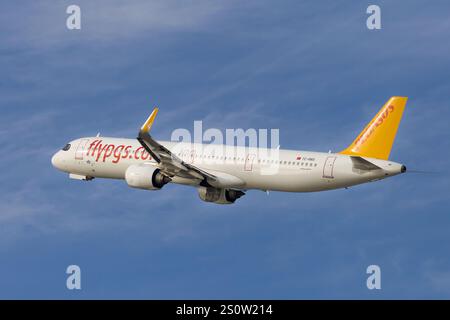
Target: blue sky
column 310, row 68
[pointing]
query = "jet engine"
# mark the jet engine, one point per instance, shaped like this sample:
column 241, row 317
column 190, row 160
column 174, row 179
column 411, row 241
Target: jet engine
column 220, row 196
column 145, row 177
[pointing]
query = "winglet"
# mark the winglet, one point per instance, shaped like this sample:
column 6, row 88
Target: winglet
column 148, row 124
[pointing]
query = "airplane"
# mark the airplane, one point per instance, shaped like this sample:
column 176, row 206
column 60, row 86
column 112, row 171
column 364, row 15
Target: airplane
column 222, row 173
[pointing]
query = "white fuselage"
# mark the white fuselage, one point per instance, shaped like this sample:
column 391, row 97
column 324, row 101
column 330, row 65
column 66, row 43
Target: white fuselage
column 239, row 167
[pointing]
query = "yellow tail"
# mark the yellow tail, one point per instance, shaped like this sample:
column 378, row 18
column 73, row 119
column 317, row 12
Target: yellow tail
column 376, row 140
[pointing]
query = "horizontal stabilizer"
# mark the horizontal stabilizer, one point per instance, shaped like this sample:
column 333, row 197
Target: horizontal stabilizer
column 363, row 164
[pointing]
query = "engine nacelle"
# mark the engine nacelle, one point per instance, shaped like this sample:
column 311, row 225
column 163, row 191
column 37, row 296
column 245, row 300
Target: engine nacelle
column 145, row 177
column 219, row 196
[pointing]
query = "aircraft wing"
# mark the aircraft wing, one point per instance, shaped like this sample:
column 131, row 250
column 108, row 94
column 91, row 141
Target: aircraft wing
column 169, row 163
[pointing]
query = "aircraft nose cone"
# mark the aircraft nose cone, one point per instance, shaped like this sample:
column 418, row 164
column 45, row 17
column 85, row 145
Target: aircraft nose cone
column 56, row 161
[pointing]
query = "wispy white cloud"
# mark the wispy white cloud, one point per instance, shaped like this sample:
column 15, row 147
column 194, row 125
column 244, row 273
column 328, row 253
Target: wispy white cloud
column 44, row 26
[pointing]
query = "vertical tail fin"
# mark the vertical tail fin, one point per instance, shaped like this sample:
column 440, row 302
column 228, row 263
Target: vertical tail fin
column 376, row 140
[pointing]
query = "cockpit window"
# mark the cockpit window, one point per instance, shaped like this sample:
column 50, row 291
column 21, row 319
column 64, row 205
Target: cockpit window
column 66, row 147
